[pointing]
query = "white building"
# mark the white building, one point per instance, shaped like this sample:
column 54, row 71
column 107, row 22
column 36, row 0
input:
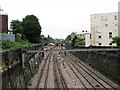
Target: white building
column 81, row 34
column 86, row 36
column 103, row 27
column 119, row 18
column 87, row 39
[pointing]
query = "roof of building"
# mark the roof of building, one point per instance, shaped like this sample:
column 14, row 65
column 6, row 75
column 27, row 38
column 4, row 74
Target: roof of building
column 3, row 14
column 105, row 13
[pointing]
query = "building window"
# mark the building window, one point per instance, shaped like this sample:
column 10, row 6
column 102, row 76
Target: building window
column 99, row 37
column 90, row 36
column 99, row 34
column 100, row 44
column 110, row 43
column 115, row 17
column 115, row 24
column 110, row 34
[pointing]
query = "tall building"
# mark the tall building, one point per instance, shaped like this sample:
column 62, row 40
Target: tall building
column 103, row 27
column 119, row 18
column 3, row 23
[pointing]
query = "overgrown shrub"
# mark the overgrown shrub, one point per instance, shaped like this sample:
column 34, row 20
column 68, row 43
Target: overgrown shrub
column 7, row 44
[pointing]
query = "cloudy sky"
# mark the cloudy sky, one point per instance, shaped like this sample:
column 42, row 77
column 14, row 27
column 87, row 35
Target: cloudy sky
column 59, row 18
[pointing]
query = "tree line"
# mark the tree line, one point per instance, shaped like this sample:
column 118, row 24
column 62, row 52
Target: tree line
column 27, row 32
column 29, row 28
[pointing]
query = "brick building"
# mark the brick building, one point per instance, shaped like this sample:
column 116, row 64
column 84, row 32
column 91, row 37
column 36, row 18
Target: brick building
column 3, row 23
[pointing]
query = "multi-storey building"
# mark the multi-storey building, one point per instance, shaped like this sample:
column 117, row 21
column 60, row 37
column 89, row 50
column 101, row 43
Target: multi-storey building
column 86, row 35
column 119, row 18
column 81, row 34
column 103, row 27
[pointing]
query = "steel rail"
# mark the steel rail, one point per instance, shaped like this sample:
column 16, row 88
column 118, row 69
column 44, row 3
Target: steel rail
column 85, row 69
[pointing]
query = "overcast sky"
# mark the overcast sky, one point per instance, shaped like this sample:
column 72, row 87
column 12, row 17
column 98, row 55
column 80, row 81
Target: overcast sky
column 58, row 18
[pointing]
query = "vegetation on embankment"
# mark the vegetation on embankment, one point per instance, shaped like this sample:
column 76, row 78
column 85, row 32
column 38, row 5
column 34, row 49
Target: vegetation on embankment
column 9, row 45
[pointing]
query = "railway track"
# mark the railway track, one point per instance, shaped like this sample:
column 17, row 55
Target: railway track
column 64, row 72
column 92, row 78
column 41, row 83
column 59, row 79
column 44, row 78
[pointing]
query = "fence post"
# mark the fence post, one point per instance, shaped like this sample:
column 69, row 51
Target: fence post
column 23, row 60
column 8, row 70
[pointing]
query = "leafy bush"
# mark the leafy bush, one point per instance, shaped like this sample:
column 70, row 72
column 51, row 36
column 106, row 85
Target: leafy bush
column 116, row 40
column 7, row 44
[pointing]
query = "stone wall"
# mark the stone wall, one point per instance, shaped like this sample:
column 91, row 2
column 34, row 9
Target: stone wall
column 105, row 62
column 13, row 74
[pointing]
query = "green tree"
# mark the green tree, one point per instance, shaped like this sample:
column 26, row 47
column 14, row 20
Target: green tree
column 68, row 39
column 73, row 43
column 48, row 36
column 16, row 26
column 77, row 41
column 116, row 40
column 31, row 29
column 42, row 38
column 48, row 39
column 80, row 42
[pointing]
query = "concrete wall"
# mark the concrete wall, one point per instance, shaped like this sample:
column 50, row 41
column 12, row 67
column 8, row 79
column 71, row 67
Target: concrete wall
column 87, row 39
column 13, row 74
column 105, row 62
column 81, row 35
column 10, row 37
